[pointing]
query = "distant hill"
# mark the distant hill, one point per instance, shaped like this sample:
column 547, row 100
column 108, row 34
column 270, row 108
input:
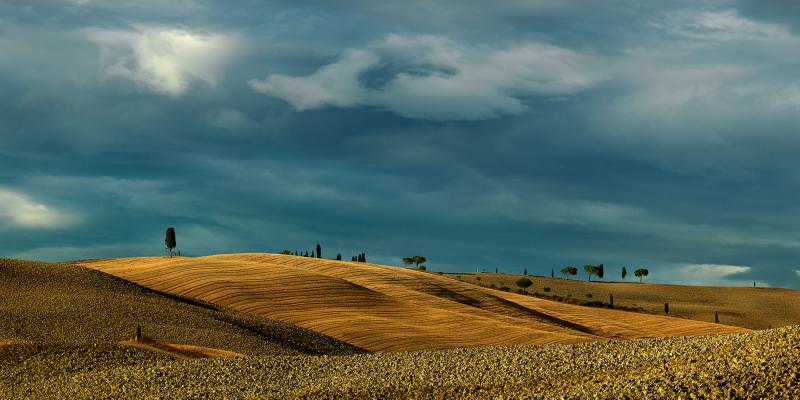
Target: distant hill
column 748, row 307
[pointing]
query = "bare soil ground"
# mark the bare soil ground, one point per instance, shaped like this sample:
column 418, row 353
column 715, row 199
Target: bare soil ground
column 748, row 307
column 382, row 308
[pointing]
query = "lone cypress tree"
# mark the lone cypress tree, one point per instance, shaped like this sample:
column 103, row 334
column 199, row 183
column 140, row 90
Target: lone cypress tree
column 495, row 270
column 526, row 272
column 716, row 317
column 611, row 299
column 666, row 308
column 624, row 273
column 552, row 273
column 319, row 251
column 169, row 240
column 138, row 331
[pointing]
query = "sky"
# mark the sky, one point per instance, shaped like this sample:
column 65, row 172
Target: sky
column 522, row 134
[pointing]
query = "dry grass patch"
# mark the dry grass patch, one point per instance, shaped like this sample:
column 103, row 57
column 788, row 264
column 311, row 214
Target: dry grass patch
column 748, row 307
column 180, row 351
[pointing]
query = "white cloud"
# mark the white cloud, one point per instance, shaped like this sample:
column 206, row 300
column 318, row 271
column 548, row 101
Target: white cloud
column 334, row 84
column 797, row 271
column 162, row 59
column 19, row 210
column 430, row 77
column 709, row 274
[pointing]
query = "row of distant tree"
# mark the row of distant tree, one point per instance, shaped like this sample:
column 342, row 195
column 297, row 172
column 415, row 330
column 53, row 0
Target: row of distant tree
column 597, row 270
column 360, row 257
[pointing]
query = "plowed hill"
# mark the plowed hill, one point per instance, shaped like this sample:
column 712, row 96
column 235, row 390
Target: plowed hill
column 381, row 308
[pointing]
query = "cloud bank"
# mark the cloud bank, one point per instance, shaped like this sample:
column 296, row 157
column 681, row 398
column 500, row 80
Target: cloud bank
column 431, row 77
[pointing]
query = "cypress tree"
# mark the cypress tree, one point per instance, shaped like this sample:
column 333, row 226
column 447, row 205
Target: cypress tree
column 611, row 299
column 495, row 270
column 666, row 308
column 312, row 254
column 138, row 331
column 624, row 273
column 716, row 317
column 319, row 251
column 339, row 256
column 552, row 273
column 169, row 240
column 526, row 272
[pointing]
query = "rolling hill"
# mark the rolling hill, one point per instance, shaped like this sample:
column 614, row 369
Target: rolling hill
column 381, row 308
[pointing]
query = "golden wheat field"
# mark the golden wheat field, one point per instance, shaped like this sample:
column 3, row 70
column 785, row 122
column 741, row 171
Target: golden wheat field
column 383, row 308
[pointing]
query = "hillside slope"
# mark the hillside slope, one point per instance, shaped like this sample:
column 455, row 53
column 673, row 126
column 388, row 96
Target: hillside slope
column 381, row 308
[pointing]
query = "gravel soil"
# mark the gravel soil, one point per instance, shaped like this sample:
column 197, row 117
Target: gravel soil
column 760, row 364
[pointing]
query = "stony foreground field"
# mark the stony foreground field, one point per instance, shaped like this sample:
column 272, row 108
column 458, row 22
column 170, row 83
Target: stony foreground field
column 760, row 364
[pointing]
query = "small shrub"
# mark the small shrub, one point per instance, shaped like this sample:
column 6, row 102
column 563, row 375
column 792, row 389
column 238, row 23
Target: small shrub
column 569, row 295
column 524, row 283
column 505, row 288
column 588, row 295
column 520, row 291
column 440, row 273
column 422, row 268
column 546, row 289
column 478, row 278
column 492, row 286
column 458, row 276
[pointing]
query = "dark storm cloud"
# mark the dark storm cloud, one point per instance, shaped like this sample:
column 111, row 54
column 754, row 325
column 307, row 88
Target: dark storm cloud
column 522, row 135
